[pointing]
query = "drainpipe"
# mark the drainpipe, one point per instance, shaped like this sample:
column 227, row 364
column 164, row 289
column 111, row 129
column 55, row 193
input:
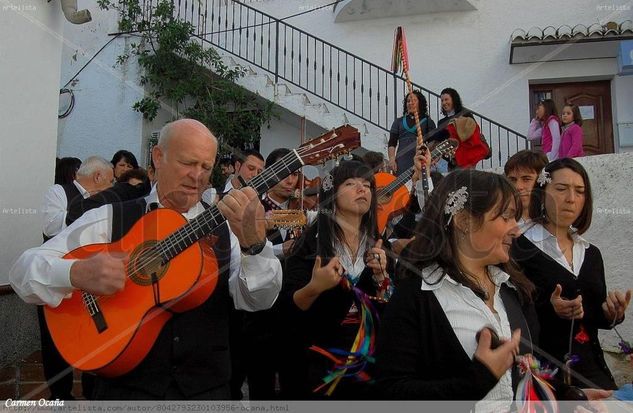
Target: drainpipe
column 69, row 7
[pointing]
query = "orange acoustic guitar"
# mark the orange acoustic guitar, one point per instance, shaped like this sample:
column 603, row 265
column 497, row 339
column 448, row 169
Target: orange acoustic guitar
column 171, row 266
column 392, row 196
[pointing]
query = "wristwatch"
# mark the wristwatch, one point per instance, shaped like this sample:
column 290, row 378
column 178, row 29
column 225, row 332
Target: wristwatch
column 254, row 249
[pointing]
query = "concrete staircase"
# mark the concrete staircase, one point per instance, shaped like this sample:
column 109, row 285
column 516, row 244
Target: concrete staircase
column 305, row 104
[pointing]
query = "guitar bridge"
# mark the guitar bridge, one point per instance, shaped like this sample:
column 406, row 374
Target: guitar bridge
column 95, row 311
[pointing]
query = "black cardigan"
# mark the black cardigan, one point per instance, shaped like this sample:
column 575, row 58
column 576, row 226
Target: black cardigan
column 545, row 273
column 319, row 325
column 419, row 357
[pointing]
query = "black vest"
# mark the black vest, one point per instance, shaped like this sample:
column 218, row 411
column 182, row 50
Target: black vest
column 71, row 193
column 192, row 349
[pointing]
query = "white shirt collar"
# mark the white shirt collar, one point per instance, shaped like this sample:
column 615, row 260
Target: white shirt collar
column 538, row 233
column 547, row 242
column 193, row 212
column 81, row 189
column 432, row 273
column 282, row 205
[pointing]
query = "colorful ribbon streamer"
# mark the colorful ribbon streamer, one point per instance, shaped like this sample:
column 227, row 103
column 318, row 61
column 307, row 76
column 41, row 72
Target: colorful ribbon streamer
column 352, row 363
column 534, row 393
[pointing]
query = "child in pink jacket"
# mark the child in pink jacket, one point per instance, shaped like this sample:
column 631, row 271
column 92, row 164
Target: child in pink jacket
column 545, row 127
column 572, row 136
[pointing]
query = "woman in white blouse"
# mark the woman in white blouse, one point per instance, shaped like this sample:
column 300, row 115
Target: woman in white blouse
column 571, row 301
column 453, row 281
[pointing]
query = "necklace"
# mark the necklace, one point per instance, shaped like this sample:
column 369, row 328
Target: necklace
column 483, row 292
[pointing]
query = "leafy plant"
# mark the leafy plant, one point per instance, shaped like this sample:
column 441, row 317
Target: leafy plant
column 181, row 70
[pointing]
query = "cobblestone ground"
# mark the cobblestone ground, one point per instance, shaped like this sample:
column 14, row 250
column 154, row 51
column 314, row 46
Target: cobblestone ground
column 621, row 368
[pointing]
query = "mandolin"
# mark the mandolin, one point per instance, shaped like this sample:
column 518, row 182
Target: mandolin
column 392, row 196
column 172, row 269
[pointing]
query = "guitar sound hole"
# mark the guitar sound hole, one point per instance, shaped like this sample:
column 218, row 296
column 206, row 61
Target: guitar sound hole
column 145, row 261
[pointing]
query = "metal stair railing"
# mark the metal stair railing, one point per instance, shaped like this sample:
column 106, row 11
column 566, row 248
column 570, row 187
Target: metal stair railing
column 373, row 94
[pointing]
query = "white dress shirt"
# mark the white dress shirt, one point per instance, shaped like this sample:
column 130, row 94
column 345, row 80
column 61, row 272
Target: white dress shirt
column 546, row 242
column 55, row 208
column 210, row 195
column 278, row 248
column 467, row 314
column 229, row 185
column 41, row 276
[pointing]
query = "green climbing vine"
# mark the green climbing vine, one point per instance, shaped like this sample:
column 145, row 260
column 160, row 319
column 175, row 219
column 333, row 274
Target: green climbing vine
column 187, row 74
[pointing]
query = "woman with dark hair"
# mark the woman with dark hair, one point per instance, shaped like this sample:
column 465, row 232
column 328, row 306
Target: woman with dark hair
column 336, row 262
column 403, row 134
column 545, row 127
column 451, row 108
column 66, row 170
column 123, row 161
column 571, row 301
column 456, row 279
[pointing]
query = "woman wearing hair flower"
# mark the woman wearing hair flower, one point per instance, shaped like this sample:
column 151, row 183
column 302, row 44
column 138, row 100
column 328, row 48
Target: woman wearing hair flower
column 571, row 301
column 457, row 289
column 453, row 282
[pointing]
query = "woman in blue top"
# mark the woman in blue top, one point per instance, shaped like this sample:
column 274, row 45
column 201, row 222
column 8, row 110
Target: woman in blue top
column 403, row 134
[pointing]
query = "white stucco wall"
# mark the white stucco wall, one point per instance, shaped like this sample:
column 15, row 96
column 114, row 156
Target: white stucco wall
column 285, row 132
column 470, row 50
column 30, row 56
column 102, row 121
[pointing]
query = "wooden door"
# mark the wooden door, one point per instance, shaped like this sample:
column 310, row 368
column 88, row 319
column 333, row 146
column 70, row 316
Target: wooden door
column 594, row 101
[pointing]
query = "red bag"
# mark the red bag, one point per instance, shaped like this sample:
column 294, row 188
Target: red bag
column 471, row 148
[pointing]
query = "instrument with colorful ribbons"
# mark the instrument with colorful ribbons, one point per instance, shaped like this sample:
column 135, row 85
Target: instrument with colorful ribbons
column 352, row 363
column 534, row 393
column 400, row 61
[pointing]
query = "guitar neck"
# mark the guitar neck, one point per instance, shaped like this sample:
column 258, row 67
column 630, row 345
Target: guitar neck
column 211, row 218
column 405, row 177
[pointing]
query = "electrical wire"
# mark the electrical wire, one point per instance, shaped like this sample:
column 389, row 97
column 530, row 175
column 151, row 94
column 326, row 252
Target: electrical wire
column 64, row 88
column 71, row 105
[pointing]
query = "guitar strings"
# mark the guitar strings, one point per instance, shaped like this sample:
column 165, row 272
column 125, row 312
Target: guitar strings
column 207, row 217
column 174, row 240
column 212, row 215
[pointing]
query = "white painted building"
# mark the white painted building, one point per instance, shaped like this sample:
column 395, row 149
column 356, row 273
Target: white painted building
column 102, row 120
column 30, row 54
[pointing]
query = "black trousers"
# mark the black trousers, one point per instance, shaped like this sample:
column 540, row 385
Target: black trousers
column 58, row 373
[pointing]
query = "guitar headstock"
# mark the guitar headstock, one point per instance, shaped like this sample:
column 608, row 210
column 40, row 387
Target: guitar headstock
column 286, row 218
column 330, row 145
column 446, row 147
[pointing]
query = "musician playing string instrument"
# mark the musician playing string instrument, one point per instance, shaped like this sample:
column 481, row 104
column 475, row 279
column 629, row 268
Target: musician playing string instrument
column 278, row 198
column 190, row 357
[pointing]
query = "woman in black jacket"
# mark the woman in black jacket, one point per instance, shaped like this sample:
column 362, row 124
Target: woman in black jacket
column 335, row 261
column 455, row 279
column 571, row 301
